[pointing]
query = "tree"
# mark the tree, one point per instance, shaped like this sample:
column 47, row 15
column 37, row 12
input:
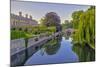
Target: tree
column 85, row 26
column 51, row 19
column 76, row 17
column 67, row 24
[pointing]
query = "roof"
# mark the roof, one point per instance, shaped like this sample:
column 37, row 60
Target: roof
column 21, row 18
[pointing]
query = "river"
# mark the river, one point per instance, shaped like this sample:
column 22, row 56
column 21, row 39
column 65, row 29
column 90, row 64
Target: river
column 60, row 50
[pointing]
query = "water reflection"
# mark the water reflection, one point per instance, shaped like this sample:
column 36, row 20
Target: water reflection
column 57, row 50
column 85, row 53
column 61, row 50
column 52, row 46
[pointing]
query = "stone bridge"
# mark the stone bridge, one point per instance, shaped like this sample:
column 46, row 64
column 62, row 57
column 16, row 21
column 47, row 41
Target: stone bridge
column 69, row 31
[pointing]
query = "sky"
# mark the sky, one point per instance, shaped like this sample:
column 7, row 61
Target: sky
column 39, row 10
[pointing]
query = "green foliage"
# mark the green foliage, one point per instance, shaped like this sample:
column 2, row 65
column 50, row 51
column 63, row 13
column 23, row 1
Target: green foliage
column 76, row 17
column 52, row 46
column 43, row 29
column 43, row 21
column 15, row 34
column 85, row 53
column 50, row 19
column 85, row 26
column 52, row 29
column 67, row 24
column 36, row 30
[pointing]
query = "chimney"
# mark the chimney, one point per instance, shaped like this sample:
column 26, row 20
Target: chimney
column 30, row 17
column 20, row 13
column 26, row 15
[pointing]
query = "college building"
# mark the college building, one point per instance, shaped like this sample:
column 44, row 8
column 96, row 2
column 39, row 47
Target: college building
column 20, row 21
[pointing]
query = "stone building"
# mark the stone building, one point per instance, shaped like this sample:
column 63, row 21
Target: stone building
column 20, row 21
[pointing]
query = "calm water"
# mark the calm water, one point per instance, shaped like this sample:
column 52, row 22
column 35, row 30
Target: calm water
column 55, row 51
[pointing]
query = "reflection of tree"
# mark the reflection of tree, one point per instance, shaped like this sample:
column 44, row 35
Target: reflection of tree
column 52, row 47
column 85, row 53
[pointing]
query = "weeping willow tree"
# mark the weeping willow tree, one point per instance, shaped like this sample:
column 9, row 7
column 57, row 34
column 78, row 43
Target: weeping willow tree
column 84, row 22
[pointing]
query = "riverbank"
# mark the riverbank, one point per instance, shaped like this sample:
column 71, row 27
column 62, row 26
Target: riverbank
column 19, row 48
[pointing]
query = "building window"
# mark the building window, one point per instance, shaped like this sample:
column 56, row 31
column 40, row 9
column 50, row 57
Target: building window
column 14, row 23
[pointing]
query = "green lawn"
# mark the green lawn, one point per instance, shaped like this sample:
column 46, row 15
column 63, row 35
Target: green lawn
column 16, row 34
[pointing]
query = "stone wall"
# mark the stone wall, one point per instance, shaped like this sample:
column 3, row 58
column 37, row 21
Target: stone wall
column 22, row 49
column 20, row 52
column 17, row 45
